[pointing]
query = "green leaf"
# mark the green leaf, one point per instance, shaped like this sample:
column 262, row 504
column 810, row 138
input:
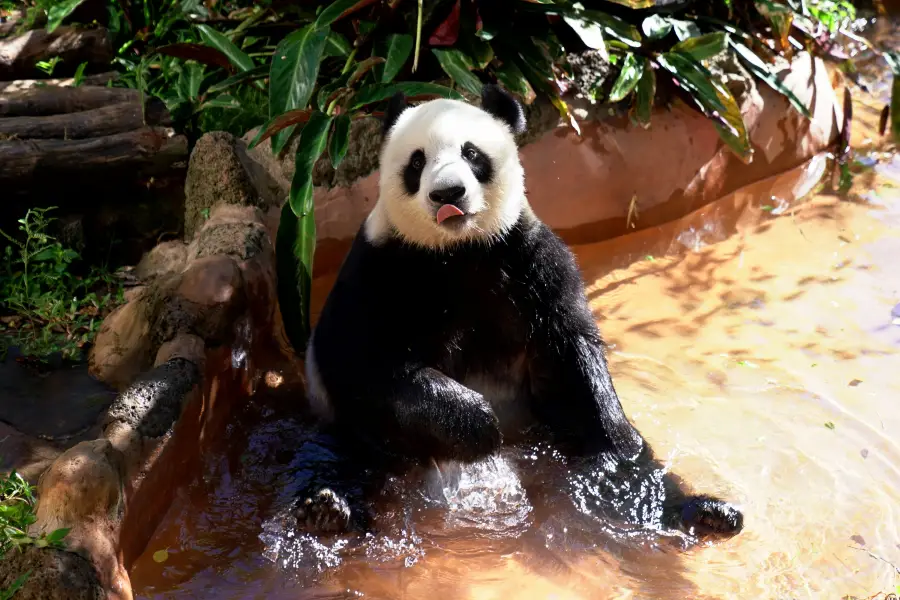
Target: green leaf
column 378, row 92
column 632, row 70
column 764, row 72
column 295, row 68
column 685, row 29
column 222, row 101
column 713, row 99
column 9, row 592
column 58, row 535
column 336, row 9
column 295, row 246
column 78, row 78
column 216, row 40
column 656, row 27
column 59, row 11
column 703, row 47
column 590, row 33
column 779, row 16
column 313, row 139
column 646, row 92
column 514, row 80
column 615, row 27
column 336, row 45
column 363, row 68
column 255, row 73
column 457, row 65
column 326, row 91
column 340, row 140
column 399, row 48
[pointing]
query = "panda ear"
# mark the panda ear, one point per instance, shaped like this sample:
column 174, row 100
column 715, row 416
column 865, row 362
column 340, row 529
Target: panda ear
column 396, row 106
column 503, row 105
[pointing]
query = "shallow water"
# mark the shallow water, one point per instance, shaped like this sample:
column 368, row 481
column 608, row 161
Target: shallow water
column 752, row 343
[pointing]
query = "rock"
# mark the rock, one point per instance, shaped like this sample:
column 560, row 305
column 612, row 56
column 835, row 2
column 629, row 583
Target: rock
column 54, row 575
column 184, row 346
column 123, row 347
column 205, row 301
column 168, row 257
column 84, row 491
column 152, row 404
column 216, row 175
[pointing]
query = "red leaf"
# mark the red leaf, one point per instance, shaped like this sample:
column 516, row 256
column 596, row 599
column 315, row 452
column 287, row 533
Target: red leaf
column 200, row 53
column 291, row 117
column 447, row 32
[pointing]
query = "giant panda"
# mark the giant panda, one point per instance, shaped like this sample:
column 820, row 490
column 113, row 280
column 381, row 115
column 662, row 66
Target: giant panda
column 458, row 322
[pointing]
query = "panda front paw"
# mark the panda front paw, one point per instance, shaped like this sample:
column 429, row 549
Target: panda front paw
column 707, row 517
column 479, row 436
column 324, row 512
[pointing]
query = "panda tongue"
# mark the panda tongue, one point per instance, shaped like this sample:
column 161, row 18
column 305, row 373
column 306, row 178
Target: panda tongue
column 447, row 211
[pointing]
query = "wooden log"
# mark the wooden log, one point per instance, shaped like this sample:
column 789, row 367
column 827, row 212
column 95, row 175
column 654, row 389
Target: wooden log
column 37, row 102
column 98, row 122
column 26, row 84
column 148, row 150
column 19, row 54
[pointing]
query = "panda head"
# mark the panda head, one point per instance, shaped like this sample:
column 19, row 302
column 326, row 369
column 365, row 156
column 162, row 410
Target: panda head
column 450, row 171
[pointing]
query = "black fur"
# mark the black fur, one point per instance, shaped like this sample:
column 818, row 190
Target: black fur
column 412, row 172
column 395, row 108
column 404, row 328
column 481, row 164
column 503, row 105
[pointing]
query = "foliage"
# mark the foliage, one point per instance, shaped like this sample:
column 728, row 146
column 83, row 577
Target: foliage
column 17, row 506
column 45, row 307
column 330, row 62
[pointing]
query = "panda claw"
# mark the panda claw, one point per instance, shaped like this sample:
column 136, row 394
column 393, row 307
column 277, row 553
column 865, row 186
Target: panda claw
column 707, row 517
column 324, row 512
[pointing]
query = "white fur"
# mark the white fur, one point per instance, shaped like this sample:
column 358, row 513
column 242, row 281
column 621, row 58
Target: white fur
column 440, row 128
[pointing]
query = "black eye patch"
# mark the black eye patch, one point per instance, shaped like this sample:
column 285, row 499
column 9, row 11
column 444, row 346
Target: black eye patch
column 412, row 172
column 479, row 162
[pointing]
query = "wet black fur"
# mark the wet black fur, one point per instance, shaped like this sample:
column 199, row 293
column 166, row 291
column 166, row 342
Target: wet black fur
column 403, row 327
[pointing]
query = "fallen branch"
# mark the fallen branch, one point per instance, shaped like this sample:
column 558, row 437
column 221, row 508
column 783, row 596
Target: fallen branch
column 19, row 54
column 108, row 120
column 149, row 149
column 26, row 84
column 41, row 101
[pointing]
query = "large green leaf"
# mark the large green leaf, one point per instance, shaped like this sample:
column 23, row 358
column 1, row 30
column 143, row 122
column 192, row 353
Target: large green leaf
column 713, row 99
column 295, row 247
column 336, row 45
column 313, row 140
column 684, row 29
column 614, row 26
column 327, row 92
column 703, row 47
column 399, row 47
column 632, row 70
column 458, row 66
column 340, row 140
column 338, row 8
column 646, row 92
column 216, row 40
column 764, row 72
column 295, row 67
column 412, row 89
column 514, row 80
column 591, row 33
column 656, row 27
column 59, row 11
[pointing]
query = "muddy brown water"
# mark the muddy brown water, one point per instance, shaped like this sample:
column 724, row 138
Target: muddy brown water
column 754, row 346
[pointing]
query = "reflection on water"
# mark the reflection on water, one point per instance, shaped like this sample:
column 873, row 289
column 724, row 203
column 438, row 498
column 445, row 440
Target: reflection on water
column 754, row 345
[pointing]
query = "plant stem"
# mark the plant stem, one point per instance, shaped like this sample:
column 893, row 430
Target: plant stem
column 418, row 38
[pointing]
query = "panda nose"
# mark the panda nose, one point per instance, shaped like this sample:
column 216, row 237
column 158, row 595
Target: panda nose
column 448, row 195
